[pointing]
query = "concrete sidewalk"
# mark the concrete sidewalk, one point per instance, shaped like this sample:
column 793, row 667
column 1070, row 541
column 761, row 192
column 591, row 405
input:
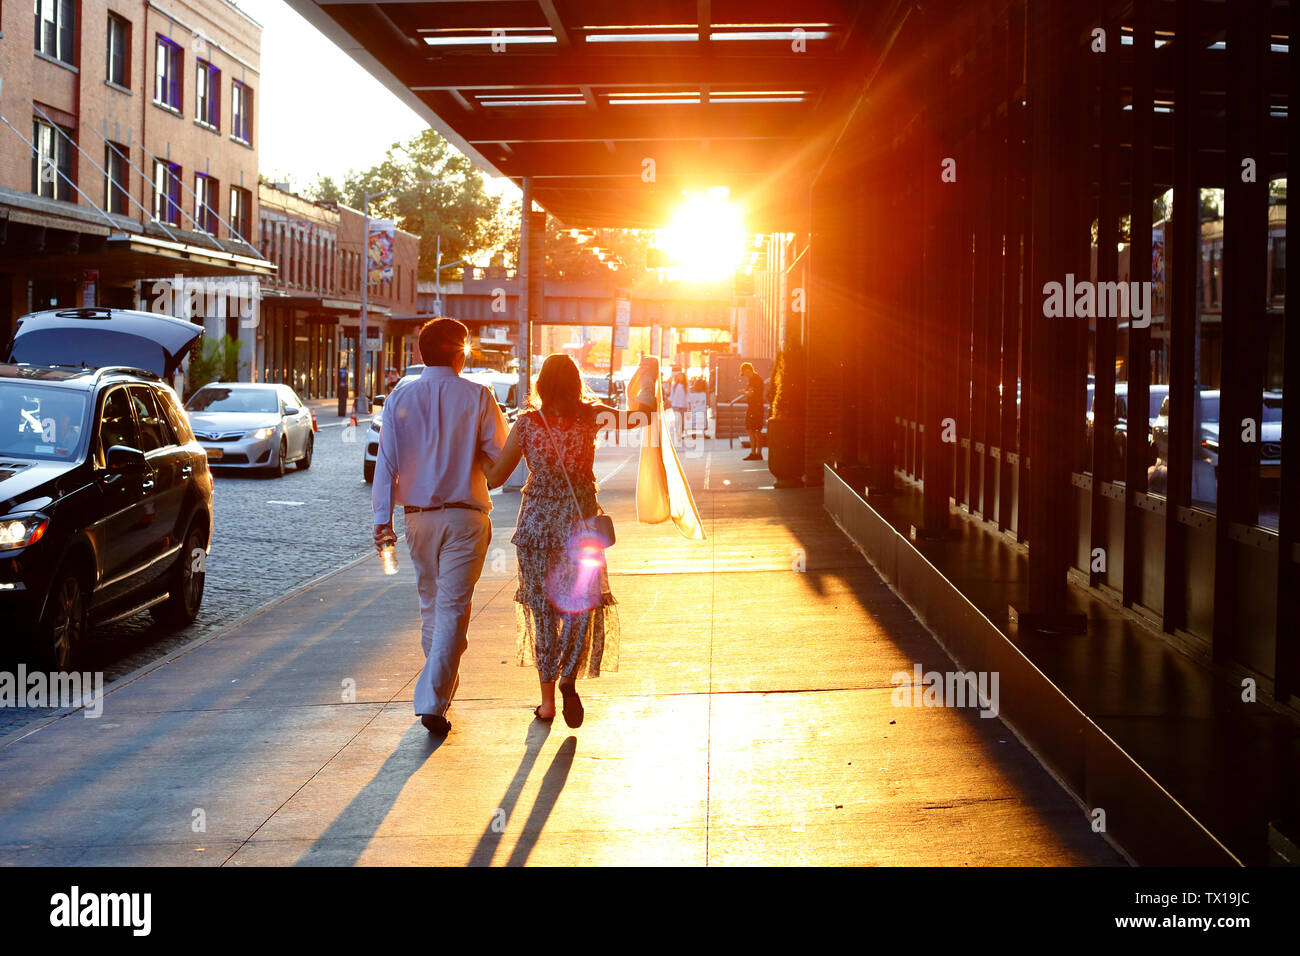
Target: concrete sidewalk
column 750, row 722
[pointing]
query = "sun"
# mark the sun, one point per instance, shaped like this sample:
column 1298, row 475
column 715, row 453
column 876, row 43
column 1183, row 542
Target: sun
column 705, row 240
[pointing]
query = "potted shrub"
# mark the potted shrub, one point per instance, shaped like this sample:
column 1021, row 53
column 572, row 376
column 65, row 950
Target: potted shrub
column 217, row 361
column 785, row 429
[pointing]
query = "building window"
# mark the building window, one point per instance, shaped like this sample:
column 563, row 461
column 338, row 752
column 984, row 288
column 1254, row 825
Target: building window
column 119, row 51
column 208, row 94
column 117, row 182
column 167, row 73
column 167, row 192
column 51, row 161
column 206, row 193
column 55, row 24
column 241, row 112
column 241, row 211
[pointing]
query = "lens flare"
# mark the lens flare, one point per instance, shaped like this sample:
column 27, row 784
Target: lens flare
column 576, row 587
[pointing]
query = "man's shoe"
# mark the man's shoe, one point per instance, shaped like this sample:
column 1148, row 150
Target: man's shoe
column 752, row 458
column 438, row 726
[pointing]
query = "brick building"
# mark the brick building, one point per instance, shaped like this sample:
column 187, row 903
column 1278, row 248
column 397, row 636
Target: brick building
column 128, row 153
column 310, row 311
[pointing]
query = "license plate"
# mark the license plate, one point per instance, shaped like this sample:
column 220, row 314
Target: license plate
column 213, row 452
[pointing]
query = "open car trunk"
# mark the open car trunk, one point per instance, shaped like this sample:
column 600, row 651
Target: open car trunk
column 98, row 338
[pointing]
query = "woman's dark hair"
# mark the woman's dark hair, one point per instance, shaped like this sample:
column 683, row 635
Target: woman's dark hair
column 559, row 386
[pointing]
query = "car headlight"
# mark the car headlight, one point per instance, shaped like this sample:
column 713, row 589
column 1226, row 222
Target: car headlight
column 20, row 532
column 261, row 433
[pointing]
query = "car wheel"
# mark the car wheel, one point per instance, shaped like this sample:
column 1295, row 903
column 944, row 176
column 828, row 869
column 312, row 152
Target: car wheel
column 368, row 471
column 60, row 631
column 185, row 582
column 278, row 466
column 305, row 461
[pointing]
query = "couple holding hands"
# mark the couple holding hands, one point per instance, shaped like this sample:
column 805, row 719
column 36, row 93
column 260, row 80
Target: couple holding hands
column 444, row 444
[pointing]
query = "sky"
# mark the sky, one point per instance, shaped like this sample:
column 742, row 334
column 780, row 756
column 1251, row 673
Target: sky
column 319, row 112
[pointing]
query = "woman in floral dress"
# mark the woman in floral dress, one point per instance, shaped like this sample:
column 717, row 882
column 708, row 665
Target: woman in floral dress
column 567, row 619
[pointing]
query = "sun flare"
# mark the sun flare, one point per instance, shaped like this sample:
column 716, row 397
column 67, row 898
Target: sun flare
column 705, row 241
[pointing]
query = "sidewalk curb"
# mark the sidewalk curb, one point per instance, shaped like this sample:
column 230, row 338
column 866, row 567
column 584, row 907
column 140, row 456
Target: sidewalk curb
column 16, row 735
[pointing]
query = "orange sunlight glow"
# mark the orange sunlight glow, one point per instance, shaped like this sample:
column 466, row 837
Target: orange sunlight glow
column 706, row 240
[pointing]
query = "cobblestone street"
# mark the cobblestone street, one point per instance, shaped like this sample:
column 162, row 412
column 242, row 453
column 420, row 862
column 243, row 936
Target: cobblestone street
column 271, row 535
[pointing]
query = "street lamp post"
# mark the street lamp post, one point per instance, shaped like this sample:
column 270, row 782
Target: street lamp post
column 437, row 297
column 361, row 406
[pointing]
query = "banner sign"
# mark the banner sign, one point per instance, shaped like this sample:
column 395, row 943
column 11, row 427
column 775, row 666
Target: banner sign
column 379, row 250
column 622, row 318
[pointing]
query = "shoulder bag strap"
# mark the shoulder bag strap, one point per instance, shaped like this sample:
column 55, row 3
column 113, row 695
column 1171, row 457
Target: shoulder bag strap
column 577, row 509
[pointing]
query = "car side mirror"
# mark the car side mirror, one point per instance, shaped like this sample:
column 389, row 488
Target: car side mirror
column 380, row 399
column 123, row 460
column 291, row 410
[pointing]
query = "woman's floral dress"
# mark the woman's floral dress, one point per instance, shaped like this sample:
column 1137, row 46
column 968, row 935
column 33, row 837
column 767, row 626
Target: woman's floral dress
column 567, row 621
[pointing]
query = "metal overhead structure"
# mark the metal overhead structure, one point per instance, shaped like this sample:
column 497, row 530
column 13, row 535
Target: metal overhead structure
column 615, row 109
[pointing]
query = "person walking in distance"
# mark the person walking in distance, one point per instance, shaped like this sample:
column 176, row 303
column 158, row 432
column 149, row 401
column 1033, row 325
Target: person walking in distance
column 440, row 434
column 677, row 398
column 753, row 396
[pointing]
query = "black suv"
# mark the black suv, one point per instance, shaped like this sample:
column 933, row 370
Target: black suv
column 105, row 496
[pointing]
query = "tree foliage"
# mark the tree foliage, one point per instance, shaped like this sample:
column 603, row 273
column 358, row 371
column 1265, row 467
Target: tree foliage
column 217, row 361
column 596, row 253
column 458, row 209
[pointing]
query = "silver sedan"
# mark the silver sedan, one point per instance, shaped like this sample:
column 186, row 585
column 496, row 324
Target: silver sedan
column 252, row 425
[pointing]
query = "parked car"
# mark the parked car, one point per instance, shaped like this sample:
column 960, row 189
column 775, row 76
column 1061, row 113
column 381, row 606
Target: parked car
column 252, row 425
column 1155, row 398
column 370, row 450
column 1208, row 442
column 503, row 384
column 105, row 496
column 1205, row 453
column 1269, row 436
column 599, row 385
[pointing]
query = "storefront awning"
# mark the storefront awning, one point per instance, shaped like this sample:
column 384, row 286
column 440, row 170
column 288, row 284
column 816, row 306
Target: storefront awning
column 316, row 303
column 130, row 256
column 45, row 238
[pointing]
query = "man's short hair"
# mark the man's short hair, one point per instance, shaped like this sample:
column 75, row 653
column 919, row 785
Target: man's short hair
column 441, row 340
column 747, row 368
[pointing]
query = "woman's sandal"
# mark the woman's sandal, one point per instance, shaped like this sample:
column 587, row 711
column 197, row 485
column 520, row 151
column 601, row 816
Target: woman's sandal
column 545, row 720
column 573, row 710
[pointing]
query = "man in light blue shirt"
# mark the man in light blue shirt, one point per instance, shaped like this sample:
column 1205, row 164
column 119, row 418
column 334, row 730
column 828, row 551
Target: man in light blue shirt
column 439, row 433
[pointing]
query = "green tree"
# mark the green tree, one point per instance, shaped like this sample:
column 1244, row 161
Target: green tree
column 459, row 209
column 217, row 361
column 596, row 253
column 325, row 189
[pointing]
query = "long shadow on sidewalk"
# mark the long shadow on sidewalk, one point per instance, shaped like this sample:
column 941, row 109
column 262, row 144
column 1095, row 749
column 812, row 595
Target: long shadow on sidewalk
column 371, row 806
column 552, row 784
